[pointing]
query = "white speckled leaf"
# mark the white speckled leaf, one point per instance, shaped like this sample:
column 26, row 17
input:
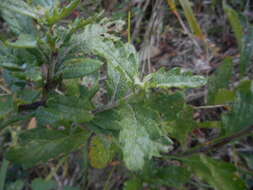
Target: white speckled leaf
column 175, row 78
column 137, row 137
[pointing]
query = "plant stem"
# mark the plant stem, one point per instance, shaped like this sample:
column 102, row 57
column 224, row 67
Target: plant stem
column 217, row 143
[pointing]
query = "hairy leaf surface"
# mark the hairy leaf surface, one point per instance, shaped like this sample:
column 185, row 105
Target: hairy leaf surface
column 175, row 78
column 137, row 137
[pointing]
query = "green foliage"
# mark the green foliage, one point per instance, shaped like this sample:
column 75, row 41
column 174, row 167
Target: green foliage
column 40, row 145
column 219, row 174
column 220, row 80
column 172, row 176
column 51, row 73
column 240, row 117
column 137, row 136
column 175, row 78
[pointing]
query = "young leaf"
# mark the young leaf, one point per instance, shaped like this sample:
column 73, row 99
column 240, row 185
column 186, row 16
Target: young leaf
column 219, row 174
column 175, row 78
column 136, row 138
column 45, row 144
column 77, row 68
column 58, row 15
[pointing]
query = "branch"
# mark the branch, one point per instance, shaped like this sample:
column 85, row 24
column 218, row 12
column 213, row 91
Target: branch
column 214, row 145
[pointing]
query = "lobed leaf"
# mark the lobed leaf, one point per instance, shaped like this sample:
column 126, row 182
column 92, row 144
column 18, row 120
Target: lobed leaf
column 138, row 136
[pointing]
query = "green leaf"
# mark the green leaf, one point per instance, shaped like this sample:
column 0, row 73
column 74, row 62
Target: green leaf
column 168, row 105
column 56, row 15
column 175, row 78
column 191, row 19
column 41, row 184
column 133, row 184
column 240, row 117
column 13, row 118
column 100, row 152
column 49, row 4
column 123, row 61
column 19, row 24
column 24, row 41
column 19, row 6
column 219, row 174
column 77, row 68
column 28, row 96
column 138, row 136
column 224, row 96
column 107, row 120
column 6, row 106
column 3, row 171
column 171, row 176
column 235, row 23
column 64, row 108
column 220, row 80
column 183, row 125
column 41, row 144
